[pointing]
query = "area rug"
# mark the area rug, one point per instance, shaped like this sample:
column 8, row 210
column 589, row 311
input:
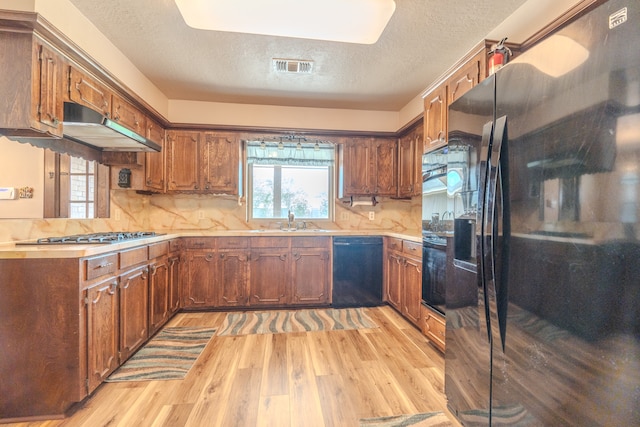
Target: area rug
column 429, row 419
column 167, row 356
column 274, row 322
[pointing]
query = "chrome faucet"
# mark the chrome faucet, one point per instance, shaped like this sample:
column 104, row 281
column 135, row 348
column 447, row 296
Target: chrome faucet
column 290, row 219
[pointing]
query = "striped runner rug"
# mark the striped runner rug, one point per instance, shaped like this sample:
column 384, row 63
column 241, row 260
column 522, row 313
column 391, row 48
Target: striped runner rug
column 429, row 419
column 274, row 322
column 167, row 356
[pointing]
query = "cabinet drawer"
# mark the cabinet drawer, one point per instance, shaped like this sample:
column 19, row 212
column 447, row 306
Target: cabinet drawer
column 133, row 256
column 158, row 249
column 200, row 243
column 394, row 244
column 100, row 266
column 269, row 242
column 434, row 329
column 412, row 248
column 232, row 242
column 310, row 242
column 176, row 245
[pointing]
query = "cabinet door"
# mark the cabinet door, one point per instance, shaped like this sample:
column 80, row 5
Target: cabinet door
column 201, row 278
column 154, row 162
column 174, row 283
column 233, row 273
column 310, row 276
column 269, row 277
column 87, row 91
column 357, row 168
column 134, row 311
column 412, row 289
column 102, row 331
column 385, row 175
column 463, row 80
column 50, row 105
column 406, row 166
column 221, row 172
column 394, row 266
column 183, row 161
column 158, row 294
column 435, row 119
column 129, row 116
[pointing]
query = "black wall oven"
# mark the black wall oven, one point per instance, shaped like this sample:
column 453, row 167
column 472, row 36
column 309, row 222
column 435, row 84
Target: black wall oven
column 434, row 266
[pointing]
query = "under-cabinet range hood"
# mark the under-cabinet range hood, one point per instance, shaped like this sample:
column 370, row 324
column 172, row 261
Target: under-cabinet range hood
column 86, row 126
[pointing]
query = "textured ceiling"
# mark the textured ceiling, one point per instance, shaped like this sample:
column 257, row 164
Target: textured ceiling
column 423, row 39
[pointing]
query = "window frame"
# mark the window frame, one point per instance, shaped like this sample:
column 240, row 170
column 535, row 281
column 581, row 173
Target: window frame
column 330, row 195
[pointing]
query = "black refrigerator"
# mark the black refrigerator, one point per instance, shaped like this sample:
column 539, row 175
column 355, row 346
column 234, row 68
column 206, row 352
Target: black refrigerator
column 551, row 205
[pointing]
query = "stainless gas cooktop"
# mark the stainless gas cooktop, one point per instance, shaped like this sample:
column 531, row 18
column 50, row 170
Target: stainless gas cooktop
column 92, row 238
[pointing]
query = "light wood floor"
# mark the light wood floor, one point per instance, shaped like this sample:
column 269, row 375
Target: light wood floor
column 308, row 379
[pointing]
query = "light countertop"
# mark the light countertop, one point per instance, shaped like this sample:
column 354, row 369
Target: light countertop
column 13, row 251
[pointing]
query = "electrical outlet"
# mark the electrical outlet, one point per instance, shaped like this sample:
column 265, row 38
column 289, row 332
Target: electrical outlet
column 344, row 216
column 117, row 214
column 372, row 215
column 200, row 214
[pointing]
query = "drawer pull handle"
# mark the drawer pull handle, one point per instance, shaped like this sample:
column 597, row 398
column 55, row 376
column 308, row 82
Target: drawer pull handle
column 103, row 265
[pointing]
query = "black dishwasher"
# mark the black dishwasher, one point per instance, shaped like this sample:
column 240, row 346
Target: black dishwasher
column 357, row 271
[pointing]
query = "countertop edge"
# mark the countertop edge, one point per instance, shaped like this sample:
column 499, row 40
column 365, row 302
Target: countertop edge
column 13, row 251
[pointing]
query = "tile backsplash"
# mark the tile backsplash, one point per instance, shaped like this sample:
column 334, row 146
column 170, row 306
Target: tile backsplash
column 164, row 213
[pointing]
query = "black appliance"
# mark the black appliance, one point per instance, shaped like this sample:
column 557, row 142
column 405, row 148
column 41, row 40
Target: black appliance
column 553, row 335
column 434, row 267
column 92, row 238
column 357, row 271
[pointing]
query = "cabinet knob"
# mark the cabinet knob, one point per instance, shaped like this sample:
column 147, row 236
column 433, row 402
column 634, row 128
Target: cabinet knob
column 55, row 121
column 221, row 255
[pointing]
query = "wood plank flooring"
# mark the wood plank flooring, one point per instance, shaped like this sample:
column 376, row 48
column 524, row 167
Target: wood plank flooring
column 331, row 378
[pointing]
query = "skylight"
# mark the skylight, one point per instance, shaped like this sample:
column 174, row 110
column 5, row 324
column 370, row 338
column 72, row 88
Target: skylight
column 350, row 21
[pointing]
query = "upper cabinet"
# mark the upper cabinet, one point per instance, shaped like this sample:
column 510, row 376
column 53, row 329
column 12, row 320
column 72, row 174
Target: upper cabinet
column 88, row 91
column 202, row 162
column 154, row 170
column 367, row 167
column 438, row 99
column 124, row 113
column 31, row 88
column 410, row 163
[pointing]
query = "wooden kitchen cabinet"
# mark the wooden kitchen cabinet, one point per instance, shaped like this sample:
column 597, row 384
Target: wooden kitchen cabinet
column 183, row 160
column 434, row 327
column 403, row 277
column 199, row 288
column 202, row 162
column 232, row 272
column 269, row 278
column 436, row 102
column 435, row 119
column 222, row 163
column 86, row 90
column 124, row 113
column 154, row 169
column 159, row 286
column 410, row 147
column 134, row 310
column 31, row 88
column 102, row 331
column 368, row 167
column 176, row 263
column 310, row 270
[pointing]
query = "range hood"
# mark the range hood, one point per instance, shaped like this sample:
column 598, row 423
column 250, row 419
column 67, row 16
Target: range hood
column 86, row 126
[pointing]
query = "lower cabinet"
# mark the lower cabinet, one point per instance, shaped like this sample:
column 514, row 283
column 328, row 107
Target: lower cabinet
column 134, row 311
column 159, row 293
column 310, row 269
column 403, row 277
column 102, row 331
column 434, row 327
column 232, row 277
column 199, row 288
column 270, row 268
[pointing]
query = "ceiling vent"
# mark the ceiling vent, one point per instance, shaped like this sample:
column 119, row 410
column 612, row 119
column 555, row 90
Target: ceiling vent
column 295, row 66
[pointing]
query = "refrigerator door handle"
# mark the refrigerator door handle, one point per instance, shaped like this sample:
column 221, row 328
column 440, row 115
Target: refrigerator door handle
column 482, row 249
column 499, row 234
column 501, row 242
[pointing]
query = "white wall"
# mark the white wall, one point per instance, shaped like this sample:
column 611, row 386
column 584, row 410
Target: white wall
column 22, row 165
